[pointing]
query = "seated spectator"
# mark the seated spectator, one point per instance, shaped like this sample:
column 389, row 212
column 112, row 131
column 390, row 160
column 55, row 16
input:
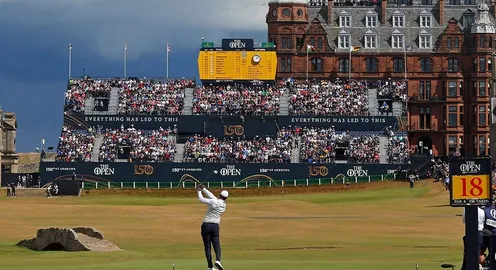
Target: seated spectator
column 153, row 97
column 79, row 90
column 138, row 145
column 237, row 99
column 398, row 150
column 237, row 150
column 330, row 98
column 75, row 145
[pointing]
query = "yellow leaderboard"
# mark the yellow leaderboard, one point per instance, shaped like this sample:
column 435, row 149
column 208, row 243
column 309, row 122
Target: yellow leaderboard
column 216, row 65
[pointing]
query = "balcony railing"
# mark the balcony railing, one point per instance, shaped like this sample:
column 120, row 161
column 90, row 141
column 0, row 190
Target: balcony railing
column 416, row 127
column 427, row 99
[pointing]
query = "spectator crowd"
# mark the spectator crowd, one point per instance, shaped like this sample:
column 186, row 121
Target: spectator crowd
column 398, row 149
column 152, row 97
column 236, row 99
column 75, row 145
column 79, row 90
column 320, row 145
column 228, row 150
column 330, row 98
column 138, row 145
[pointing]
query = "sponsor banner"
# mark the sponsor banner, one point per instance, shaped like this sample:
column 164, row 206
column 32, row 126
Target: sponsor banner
column 237, row 44
column 174, row 172
column 247, row 131
column 215, row 124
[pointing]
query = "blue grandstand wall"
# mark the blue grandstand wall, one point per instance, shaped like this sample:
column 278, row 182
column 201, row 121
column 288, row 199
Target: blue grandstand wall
column 211, row 172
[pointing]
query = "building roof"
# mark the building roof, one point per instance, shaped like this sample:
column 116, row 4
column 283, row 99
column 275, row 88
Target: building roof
column 412, row 29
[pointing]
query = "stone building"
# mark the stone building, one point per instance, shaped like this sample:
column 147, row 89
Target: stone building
column 443, row 49
column 9, row 160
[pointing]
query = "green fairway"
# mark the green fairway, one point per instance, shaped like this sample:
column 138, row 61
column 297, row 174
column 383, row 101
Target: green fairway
column 369, row 229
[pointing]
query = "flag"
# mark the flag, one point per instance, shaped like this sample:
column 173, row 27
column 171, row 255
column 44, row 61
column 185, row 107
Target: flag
column 310, row 48
column 168, row 48
column 70, row 45
column 355, row 48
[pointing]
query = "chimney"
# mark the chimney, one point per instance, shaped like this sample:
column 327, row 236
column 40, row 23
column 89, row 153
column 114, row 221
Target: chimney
column 330, row 3
column 441, row 12
column 383, row 12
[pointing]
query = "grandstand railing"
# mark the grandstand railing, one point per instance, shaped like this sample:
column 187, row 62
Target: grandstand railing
column 160, row 79
column 340, row 179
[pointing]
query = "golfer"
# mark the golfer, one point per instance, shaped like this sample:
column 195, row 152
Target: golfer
column 210, row 225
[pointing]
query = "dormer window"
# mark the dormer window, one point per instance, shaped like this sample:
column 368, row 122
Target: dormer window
column 344, row 39
column 371, row 19
column 344, row 19
column 425, row 19
column 425, row 40
column 468, row 18
column 397, row 40
column 370, row 40
column 398, row 19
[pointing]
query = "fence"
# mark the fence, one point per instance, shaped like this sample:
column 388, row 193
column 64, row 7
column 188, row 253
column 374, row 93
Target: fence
column 341, row 179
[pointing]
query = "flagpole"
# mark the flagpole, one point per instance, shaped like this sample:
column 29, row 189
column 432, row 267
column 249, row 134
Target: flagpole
column 349, row 67
column 125, row 60
column 405, row 64
column 167, row 62
column 307, row 62
column 70, row 60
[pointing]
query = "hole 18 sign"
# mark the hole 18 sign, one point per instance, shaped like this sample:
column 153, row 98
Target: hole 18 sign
column 470, row 181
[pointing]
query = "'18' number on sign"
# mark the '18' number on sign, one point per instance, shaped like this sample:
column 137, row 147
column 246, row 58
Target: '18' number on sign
column 475, row 187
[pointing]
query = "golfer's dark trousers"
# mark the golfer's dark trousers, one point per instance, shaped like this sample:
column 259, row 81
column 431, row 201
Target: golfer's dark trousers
column 210, row 235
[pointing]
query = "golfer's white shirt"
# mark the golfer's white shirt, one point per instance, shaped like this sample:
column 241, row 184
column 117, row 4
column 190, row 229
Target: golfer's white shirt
column 215, row 207
column 481, row 215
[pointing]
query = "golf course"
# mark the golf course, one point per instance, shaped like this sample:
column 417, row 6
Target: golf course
column 373, row 226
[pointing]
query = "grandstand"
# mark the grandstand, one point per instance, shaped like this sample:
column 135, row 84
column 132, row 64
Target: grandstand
column 296, row 144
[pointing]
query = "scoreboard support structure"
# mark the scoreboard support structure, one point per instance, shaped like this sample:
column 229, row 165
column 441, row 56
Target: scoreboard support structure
column 471, row 187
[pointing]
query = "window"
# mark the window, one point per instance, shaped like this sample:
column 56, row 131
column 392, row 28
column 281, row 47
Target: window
column 482, row 116
column 317, row 65
column 285, row 65
column 425, row 65
column 482, row 145
column 425, row 90
column 454, row 2
column 343, row 41
column 469, row 2
column 452, row 145
column 286, row 12
column 453, row 64
column 398, row 65
column 399, row 21
column 299, row 12
column 449, row 45
column 426, row 2
column 371, row 20
column 397, row 41
column 425, row 118
column 320, row 43
column 452, row 116
column 371, row 41
column 344, row 65
column 482, row 89
column 482, row 64
column 286, row 43
column 371, row 64
column 452, row 89
column 312, row 42
column 425, row 41
column 489, row 64
column 300, row 41
column 485, row 42
column 457, row 43
column 468, row 20
column 344, row 21
column 426, row 21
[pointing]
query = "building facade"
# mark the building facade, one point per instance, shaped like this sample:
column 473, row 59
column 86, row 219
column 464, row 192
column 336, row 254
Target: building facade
column 9, row 160
column 443, row 49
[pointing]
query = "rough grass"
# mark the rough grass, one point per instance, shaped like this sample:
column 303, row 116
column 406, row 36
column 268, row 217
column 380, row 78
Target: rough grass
column 355, row 229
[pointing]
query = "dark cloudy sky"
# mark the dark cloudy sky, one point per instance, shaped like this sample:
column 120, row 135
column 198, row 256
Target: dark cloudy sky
column 34, row 47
